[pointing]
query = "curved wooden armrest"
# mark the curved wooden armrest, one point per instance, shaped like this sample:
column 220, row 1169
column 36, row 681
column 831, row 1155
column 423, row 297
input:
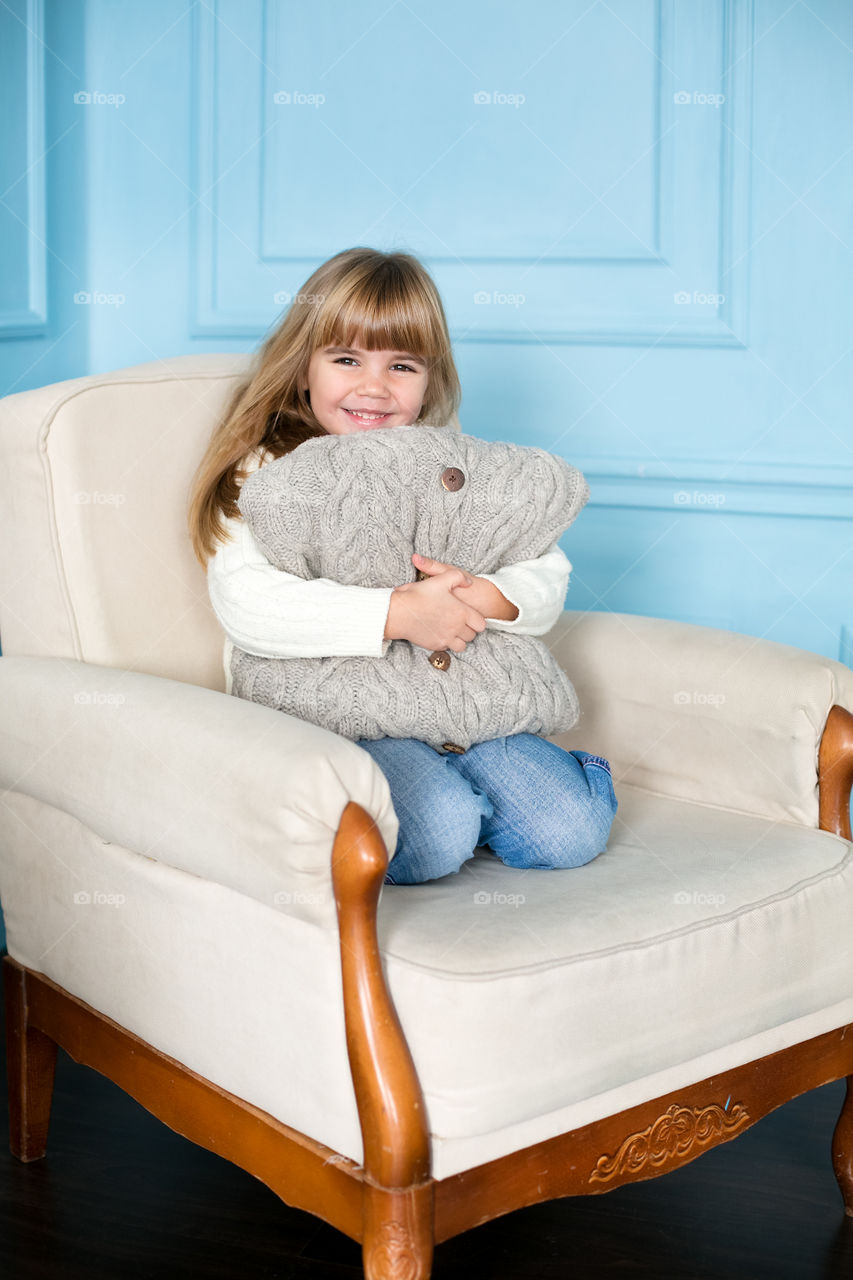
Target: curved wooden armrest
column 835, row 772
column 388, row 1093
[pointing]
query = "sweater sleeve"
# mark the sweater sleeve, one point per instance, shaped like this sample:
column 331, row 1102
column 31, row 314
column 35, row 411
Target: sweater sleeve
column 537, row 588
column 273, row 614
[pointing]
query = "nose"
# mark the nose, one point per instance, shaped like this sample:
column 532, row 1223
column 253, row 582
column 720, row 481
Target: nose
column 372, row 384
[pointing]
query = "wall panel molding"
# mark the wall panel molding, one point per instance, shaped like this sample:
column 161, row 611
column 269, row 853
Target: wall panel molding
column 23, row 207
column 706, row 486
column 642, row 292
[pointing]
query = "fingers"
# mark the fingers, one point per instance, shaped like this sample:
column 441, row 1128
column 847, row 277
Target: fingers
column 469, row 633
column 427, row 565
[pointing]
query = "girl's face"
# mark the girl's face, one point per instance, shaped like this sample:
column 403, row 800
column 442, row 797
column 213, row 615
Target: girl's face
column 356, row 390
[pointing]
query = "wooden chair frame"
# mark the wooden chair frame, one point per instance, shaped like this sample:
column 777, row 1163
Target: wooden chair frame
column 391, row 1203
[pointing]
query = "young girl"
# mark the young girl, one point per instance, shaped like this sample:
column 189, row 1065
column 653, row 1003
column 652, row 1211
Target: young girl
column 364, row 346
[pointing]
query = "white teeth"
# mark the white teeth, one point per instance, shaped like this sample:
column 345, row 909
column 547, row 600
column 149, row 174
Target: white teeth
column 368, row 417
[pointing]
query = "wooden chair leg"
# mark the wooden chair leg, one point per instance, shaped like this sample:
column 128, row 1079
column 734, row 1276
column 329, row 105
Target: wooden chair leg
column 31, row 1064
column 398, row 1233
column 842, row 1149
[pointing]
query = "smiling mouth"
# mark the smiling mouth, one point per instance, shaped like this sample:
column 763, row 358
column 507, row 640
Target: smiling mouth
column 369, row 419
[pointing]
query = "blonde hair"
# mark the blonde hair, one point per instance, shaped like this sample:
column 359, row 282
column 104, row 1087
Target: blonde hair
column 360, row 297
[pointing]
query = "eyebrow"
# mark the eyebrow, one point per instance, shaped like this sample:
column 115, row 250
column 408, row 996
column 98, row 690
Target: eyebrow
column 351, row 351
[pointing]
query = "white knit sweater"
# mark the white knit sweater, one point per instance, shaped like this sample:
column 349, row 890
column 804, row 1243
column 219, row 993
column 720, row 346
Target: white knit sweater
column 280, row 615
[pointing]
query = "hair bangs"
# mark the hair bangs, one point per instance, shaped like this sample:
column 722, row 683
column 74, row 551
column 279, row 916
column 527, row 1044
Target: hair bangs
column 382, row 315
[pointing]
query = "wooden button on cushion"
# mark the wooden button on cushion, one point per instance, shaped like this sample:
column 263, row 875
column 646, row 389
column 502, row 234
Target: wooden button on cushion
column 452, row 478
column 440, row 659
column 451, row 746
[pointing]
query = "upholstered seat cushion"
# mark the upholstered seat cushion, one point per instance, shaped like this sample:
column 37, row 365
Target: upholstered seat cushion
column 534, row 1002
column 698, row 928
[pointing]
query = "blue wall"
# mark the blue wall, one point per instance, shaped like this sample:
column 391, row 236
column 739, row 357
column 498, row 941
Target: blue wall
column 637, row 214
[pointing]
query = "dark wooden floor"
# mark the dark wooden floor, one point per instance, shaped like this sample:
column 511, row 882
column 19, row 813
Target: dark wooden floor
column 119, row 1194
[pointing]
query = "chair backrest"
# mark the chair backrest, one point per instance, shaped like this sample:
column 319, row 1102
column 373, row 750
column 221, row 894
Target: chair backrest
column 96, row 564
column 95, row 558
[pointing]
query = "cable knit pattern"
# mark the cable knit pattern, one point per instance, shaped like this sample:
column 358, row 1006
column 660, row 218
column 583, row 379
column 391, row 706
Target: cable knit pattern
column 353, row 508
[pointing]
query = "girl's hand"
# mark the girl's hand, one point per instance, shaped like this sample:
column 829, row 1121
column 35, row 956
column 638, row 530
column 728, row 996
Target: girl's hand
column 479, row 593
column 430, row 615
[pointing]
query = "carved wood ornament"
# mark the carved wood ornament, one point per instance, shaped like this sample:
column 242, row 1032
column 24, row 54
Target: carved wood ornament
column 671, row 1137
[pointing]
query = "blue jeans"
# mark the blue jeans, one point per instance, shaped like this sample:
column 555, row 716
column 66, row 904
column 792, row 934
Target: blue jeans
column 533, row 803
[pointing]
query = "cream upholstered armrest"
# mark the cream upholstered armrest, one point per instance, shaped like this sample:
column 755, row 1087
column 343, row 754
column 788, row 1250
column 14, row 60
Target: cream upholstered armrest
column 700, row 713
column 214, row 785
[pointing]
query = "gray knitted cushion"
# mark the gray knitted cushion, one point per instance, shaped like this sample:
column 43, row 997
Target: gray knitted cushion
column 353, row 508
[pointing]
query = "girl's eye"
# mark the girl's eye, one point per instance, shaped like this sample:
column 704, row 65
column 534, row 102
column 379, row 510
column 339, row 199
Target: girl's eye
column 407, row 367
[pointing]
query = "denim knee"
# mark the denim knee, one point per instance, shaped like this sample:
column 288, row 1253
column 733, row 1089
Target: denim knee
column 576, row 833
column 443, row 838
column 591, row 837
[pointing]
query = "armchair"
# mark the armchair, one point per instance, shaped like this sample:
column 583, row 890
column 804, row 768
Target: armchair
column 193, row 898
